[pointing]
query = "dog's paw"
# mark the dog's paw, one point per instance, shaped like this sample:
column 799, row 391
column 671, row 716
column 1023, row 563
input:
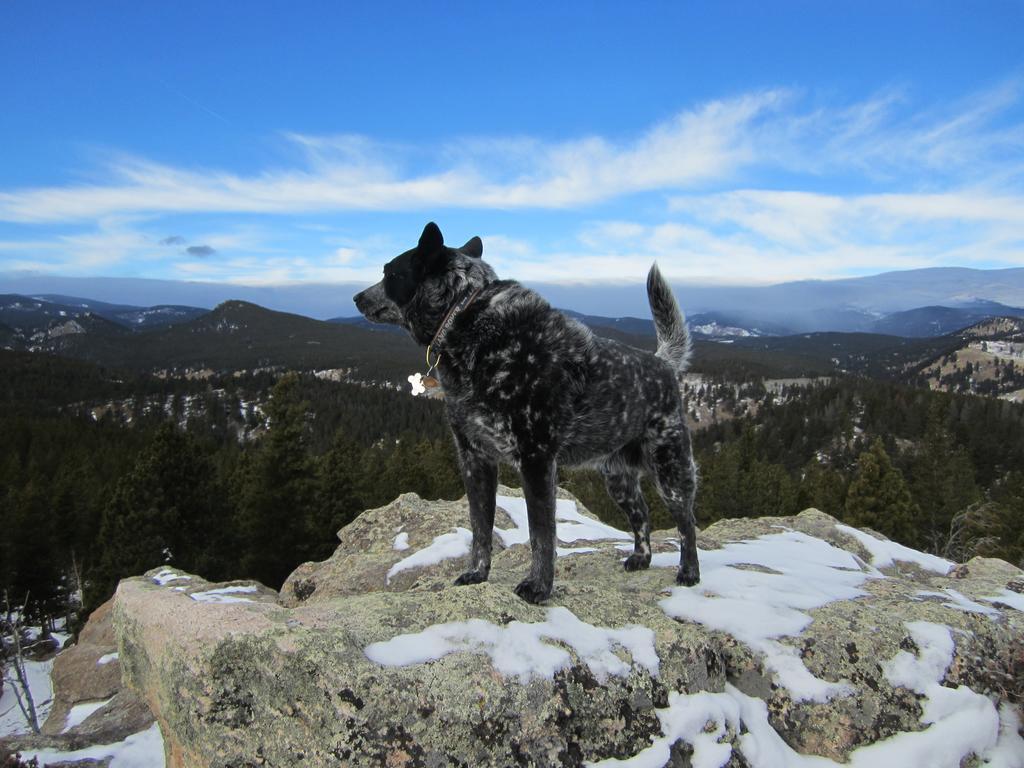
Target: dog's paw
column 471, row 577
column 637, row 562
column 532, row 591
column 687, row 576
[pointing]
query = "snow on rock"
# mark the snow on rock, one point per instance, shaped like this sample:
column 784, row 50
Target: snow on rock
column 1007, row 597
column 166, row 576
column 570, row 525
column 141, row 750
column 959, row 723
column 518, row 649
column 443, row 547
column 107, row 658
column 884, row 552
column 794, row 650
column 953, row 599
column 80, row 712
column 795, row 573
column 225, row 594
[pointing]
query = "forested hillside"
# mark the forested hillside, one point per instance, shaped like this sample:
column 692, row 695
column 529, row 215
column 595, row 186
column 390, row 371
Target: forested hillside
column 106, row 473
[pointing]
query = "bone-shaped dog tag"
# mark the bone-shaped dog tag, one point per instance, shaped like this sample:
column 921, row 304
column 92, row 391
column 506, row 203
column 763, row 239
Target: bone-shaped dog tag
column 416, row 381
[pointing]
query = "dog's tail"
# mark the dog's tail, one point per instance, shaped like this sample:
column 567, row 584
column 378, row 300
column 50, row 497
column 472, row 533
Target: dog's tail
column 673, row 335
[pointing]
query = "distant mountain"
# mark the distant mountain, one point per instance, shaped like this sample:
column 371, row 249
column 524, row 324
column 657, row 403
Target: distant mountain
column 33, row 313
column 361, row 322
column 239, row 336
column 9, row 338
column 937, row 321
column 706, row 325
column 988, row 359
column 851, row 304
column 317, row 300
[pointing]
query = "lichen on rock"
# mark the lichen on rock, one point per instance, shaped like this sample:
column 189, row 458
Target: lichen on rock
column 787, row 638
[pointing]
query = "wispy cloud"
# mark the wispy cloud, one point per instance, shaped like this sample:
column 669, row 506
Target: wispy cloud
column 764, row 186
column 347, row 173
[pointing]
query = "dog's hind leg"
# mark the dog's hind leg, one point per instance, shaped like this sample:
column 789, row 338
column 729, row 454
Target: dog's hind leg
column 539, row 480
column 480, row 474
column 670, row 458
column 623, row 484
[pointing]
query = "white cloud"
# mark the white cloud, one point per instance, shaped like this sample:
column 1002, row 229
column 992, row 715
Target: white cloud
column 347, row 173
column 938, row 185
column 345, row 255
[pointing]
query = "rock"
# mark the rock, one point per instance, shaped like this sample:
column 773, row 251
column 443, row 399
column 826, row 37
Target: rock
column 88, row 673
column 366, row 551
column 78, row 676
column 804, row 635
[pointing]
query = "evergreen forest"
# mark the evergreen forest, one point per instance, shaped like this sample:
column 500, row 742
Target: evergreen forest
column 206, row 482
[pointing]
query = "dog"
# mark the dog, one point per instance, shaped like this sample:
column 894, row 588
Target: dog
column 527, row 385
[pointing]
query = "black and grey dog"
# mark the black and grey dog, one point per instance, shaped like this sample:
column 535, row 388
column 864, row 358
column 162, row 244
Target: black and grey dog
column 525, row 384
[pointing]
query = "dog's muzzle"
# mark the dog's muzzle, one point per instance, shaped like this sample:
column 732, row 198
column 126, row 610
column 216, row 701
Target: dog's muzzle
column 376, row 307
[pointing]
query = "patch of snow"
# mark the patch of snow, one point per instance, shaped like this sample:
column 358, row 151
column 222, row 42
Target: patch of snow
column 936, row 654
column 1009, row 749
column 443, row 547
column 570, row 525
column 518, row 649
column 224, row 594
column 959, row 723
column 961, row 602
column 758, row 607
column 166, row 576
column 699, row 719
column 144, row 749
column 108, row 657
column 39, row 682
column 1007, row 597
column 885, row 552
column 61, row 638
column 80, row 712
column 401, row 541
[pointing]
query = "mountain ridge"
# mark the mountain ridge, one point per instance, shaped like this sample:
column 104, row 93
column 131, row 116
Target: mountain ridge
column 800, row 305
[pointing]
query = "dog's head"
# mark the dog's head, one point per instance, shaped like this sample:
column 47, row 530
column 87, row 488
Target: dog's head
column 420, row 285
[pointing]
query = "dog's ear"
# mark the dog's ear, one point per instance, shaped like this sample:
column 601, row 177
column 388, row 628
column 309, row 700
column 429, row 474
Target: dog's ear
column 474, row 248
column 431, row 240
column 430, row 251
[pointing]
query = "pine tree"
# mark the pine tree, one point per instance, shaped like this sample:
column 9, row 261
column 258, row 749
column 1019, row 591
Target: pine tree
column 942, row 481
column 878, row 497
column 993, row 527
column 167, row 509
column 822, row 488
column 277, row 491
column 341, row 493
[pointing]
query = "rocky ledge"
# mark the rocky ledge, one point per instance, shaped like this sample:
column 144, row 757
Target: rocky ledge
column 805, row 638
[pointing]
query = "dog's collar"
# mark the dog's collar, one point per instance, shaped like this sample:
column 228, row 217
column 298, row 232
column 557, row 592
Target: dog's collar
column 437, row 342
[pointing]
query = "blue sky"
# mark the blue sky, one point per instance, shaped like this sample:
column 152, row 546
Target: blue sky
column 269, row 143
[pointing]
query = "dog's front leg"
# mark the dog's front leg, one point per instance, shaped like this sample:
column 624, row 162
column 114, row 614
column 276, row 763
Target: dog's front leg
column 539, row 479
column 480, row 474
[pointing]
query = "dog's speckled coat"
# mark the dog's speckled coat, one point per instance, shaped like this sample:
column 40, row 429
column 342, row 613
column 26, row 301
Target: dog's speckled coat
column 525, row 384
